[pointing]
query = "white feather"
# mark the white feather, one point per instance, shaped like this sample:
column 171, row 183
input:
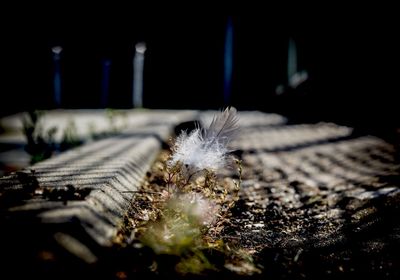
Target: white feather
column 223, row 127
column 206, row 148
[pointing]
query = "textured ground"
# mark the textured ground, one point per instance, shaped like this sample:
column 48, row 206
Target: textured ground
column 317, row 201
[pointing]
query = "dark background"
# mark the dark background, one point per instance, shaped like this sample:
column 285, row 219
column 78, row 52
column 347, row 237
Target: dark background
column 349, row 58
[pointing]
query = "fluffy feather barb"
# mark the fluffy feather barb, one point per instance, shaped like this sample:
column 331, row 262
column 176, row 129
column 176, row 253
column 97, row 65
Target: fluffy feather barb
column 206, row 148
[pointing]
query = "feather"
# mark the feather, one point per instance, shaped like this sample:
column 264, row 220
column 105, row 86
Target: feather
column 222, row 128
column 206, row 148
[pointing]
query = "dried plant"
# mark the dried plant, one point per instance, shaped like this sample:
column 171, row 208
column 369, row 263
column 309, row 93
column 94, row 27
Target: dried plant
column 193, row 201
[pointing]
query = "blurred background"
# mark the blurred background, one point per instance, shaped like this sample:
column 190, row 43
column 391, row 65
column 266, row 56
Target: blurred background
column 310, row 66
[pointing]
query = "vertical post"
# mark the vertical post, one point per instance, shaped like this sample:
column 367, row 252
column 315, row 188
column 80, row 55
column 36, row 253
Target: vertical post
column 292, row 60
column 228, row 61
column 105, row 82
column 138, row 65
column 294, row 76
column 57, row 75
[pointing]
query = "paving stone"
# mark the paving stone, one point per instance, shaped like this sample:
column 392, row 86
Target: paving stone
column 90, row 186
column 310, row 183
column 84, row 125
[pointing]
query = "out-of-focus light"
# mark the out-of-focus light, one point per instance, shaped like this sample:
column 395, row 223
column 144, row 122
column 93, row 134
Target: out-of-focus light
column 140, row 47
column 298, row 78
column 56, row 49
column 138, row 65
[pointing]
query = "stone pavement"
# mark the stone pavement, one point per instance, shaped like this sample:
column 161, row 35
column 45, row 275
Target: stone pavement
column 305, row 187
column 84, row 125
column 78, row 199
column 319, row 200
